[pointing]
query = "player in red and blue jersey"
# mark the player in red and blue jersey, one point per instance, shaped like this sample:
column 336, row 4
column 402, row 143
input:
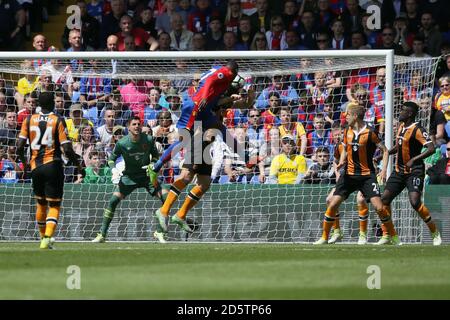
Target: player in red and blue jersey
column 213, row 84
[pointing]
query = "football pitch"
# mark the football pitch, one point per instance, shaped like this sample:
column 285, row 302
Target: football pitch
column 223, row 271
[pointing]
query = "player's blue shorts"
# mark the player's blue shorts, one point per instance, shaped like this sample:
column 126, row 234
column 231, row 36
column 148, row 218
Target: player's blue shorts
column 187, row 117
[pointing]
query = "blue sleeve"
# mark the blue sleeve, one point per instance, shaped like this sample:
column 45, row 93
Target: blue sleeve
column 261, row 101
column 84, row 85
column 107, row 89
column 292, row 94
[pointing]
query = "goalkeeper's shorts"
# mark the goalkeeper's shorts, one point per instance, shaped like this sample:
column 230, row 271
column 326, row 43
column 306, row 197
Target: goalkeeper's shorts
column 126, row 187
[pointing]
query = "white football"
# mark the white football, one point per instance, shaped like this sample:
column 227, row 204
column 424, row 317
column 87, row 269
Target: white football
column 238, row 82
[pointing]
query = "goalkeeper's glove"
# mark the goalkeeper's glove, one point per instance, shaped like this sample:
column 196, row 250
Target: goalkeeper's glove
column 116, row 174
column 152, row 174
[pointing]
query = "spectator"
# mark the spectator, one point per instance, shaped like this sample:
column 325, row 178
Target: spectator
column 259, row 42
column 293, row 41
column 76, row 46
column 234, row 166
column 164, row 129
column 90, row 28
column 442, row 101
column 269, row 151
column 147, row 22
column 29, row 107
column 325, row 15
column 319, row 137
column 163, row 19
column 118, row 133
column 403, row 37
column 135, row 95
column 164, row 42
column 94, row 91
column 214, row 37
column 121, row 112
column 429, row 32
column 290, row 15
column 323, row 41
column 12, row 29
column 233, row 16
column 181, row 39
column 338, row 41
column 199, row 18
column 185, row 8
column 60, row 104
column 358, row 41
column 39, row 44
column 105, row 131
column 26, row 84
column 261, row 18
column 321, row 171
column 95, row 9
column 11, row 169
column 287, row 167
column 142, row 40
column 75, row 121
column 307, row 30
column 293, row 128
column 199, row 42
column 8, row 133
column 174, row 104
column 352, row 16
column 412, row 15
column 378, row 90
column 270, row 117
column 229, row 41
column 85, row 143
column 96, row 172
column 440, row 172
column 286, row 93
column 152, row 110
column 110, row 22
column 276, row 36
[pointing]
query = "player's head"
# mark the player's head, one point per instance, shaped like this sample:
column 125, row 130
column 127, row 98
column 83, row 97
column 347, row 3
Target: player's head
column 134, row 125
column 47, row 101
column 355, row 113
column 409, row 111
column 233, row 66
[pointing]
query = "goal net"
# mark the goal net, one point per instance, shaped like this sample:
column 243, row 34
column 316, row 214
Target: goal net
column 302, row 94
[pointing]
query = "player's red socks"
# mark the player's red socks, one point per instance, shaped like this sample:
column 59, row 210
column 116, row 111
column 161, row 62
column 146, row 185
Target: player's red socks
column 426, row 217
column 363, row 213
column 172, row 196
column 191, row 200
column 41, row 215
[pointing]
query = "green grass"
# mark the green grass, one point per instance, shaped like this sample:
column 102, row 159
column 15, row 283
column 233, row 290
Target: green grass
column 223, row 271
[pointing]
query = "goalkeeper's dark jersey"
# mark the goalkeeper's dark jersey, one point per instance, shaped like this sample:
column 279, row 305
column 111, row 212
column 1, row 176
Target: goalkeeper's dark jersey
column 135, row 154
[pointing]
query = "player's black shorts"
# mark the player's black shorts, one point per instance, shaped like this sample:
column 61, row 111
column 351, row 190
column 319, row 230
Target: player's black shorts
column 348, row 184
column 48, row 180
column 398, row 181
column 199, row 159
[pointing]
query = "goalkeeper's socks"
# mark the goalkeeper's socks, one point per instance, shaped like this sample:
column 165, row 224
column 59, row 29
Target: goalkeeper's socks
column 51, row 221
column 107, row 218
column 174, row 192
column 192, row 199
column 363, row 213
column 41, row 215
column 166, row 156
column 426, row 217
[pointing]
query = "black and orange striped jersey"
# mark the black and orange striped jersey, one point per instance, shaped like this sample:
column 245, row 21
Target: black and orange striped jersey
column 360, row 147
column 45, row 133
column 410, row 141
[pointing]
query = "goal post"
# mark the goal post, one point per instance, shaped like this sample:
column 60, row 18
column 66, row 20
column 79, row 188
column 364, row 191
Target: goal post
column 311, row 84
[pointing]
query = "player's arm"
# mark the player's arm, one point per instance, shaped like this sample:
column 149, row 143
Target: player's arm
column 342, row 159
column 394, row 149
column 21, row 150
column 385, row 160
column 425, row 140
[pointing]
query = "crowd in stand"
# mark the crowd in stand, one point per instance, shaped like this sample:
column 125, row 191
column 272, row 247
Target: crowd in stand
column 301, row 114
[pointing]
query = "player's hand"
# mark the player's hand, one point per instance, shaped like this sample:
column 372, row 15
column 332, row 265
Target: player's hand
column 383, row 176
column 410, row 163
column 340, row 165
column 152, row 174
column 116, row 174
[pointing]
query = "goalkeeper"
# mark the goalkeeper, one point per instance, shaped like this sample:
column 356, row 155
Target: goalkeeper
column 136, row 149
